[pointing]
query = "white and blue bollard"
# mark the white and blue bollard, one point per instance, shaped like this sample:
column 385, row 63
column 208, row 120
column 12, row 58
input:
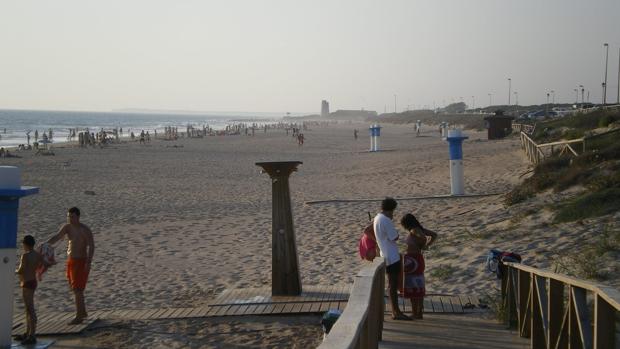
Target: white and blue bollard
column 10, row 193
column 455, row 143
column 375, row 132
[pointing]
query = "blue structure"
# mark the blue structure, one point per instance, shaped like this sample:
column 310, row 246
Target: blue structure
column 455, row 145
column 375, row 132
column 10, row 193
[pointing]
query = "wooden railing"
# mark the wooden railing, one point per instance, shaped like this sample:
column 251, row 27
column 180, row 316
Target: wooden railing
column 529, row 129
column 536, row 153
column 553, row 310
column 361, row 323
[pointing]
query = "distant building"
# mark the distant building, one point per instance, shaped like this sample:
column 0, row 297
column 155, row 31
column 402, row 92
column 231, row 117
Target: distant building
column 324, row 108
column 354, row 114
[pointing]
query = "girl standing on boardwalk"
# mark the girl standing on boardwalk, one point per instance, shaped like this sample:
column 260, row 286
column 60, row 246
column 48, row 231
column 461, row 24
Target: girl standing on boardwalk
column 413, row 284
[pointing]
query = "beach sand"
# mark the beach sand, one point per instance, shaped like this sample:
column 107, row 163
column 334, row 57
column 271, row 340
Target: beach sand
column 177, row 222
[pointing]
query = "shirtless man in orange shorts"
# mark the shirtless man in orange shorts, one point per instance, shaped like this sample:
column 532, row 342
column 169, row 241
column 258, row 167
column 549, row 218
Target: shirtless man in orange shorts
column 80, row 251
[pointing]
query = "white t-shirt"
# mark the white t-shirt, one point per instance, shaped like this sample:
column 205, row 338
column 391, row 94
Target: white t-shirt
column 386, row 238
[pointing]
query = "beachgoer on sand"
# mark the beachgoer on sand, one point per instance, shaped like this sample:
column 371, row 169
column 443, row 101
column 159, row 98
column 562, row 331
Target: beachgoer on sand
column 29, row 262
column 412, row 279
column 80, row 251
column 387, row 236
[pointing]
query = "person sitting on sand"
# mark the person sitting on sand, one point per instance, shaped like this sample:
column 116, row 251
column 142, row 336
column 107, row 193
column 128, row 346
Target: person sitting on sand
column 413, row 285
column 387, row 236
column 80, row 251
column 29, row 262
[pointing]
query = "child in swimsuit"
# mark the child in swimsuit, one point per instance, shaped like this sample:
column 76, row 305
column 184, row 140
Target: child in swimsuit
column 30, row 261
column 413, row 286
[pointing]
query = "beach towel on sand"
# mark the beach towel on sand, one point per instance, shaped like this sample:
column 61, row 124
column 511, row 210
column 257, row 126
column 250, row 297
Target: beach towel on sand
column 47, row 252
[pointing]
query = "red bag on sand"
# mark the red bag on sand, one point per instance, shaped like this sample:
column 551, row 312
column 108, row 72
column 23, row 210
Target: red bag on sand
column 368, row 244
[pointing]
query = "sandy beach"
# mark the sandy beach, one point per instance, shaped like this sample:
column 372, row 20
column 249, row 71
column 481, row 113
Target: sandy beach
column 178, row 222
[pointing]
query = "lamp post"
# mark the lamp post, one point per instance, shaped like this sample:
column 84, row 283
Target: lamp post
column 394, row 104
column 473, row 102
column 490, row 99
column 553, row 96
column 582, row 90
column 509, row 88
column 576, row 95
column 603, row 99
column 547, row 105
column 606, row 45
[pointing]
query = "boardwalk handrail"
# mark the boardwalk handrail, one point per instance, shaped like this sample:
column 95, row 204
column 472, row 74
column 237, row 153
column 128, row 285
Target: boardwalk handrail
column 535, row 151
column 361, row 323
column 536, row 304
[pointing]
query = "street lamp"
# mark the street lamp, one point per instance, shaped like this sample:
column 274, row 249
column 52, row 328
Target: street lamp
column 490, row 99
column 606, row 45
column 473, row 102
column 509, row 87
column 576, row 95
column 553, row 96
column 516, row 98
column 394, row 104
column 582, row 89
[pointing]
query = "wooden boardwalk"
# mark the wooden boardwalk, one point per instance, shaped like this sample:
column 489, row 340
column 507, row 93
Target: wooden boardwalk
column 239, row 302
column 449, row 331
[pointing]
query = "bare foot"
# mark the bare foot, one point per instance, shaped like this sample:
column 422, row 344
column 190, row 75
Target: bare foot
column 76, row 321
column 401, row 317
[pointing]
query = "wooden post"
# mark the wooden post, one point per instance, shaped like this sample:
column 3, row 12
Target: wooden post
column 555, row 312
column 524, row 308
column 604, row 324
column 538, row 306
column 285, row 278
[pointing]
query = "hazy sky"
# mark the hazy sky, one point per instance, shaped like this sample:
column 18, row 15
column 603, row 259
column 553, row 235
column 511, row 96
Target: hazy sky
column 288, row 55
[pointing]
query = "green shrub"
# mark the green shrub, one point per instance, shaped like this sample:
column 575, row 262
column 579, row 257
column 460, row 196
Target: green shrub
column 590, row 205
column 607, row 119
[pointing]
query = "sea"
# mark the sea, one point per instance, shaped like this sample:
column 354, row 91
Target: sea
column 16, row 124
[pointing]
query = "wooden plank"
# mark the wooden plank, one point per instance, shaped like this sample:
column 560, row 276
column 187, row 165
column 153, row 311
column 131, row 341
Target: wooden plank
column 159, row 313
column 428, row 306
column 149, row 314
column 455, row 301
column 231, row 310
column 446, row 304
column 264, row 308
column 221, row 310
column 203, row 311
column 277, row 309
column 306, row 307
column 583, row 321
column 555, row 311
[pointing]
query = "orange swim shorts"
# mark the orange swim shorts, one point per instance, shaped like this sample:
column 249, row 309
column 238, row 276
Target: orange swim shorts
column 77, row 273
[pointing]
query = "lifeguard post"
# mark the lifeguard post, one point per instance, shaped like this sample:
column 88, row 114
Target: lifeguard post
column 285, row 278
column 11, row 191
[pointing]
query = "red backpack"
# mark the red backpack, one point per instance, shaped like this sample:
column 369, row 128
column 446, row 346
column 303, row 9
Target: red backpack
column 368, row 244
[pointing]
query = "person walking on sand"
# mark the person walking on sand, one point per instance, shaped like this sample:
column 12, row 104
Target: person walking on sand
column 29, row 262
column 80, row 251
column 413, row 285
column 387, row 236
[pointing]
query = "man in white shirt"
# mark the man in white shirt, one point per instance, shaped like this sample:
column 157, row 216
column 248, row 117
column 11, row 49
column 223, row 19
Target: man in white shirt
column 386, row 236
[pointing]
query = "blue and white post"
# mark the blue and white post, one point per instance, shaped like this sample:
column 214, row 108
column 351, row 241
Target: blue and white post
column 10, row 193
column 455, row 143
column 375, row 132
